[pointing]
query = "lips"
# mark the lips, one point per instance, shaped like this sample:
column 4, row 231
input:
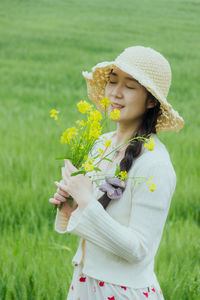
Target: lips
column 116, row 106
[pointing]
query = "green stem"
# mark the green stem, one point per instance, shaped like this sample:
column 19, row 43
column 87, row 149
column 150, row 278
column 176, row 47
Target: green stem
column 120, row 146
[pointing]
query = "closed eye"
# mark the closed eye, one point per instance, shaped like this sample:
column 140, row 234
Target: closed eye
column 112, row 82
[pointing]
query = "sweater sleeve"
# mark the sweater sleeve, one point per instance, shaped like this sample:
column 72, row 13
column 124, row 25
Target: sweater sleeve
column 147, row 217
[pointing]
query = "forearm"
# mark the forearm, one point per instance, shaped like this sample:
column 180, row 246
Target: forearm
column 95, row 225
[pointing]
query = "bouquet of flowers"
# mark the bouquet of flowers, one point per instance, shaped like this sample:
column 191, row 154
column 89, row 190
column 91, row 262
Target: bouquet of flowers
column 81, row 139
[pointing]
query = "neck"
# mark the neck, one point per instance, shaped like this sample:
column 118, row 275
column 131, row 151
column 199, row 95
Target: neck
column 124, row 132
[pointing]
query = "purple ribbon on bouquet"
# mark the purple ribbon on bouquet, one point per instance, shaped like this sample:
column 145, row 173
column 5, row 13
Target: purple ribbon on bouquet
column 114, row 187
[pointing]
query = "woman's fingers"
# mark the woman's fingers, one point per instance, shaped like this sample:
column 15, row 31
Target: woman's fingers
column 61, row 189
column 54, row 201
column 59, row 197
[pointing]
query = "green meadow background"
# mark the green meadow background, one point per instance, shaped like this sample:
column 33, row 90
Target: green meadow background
column 44, row 47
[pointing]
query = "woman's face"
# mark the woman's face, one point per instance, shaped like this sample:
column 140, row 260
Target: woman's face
column 124, row 90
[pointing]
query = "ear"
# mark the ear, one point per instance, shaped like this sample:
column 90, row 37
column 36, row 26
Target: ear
column 151, row 102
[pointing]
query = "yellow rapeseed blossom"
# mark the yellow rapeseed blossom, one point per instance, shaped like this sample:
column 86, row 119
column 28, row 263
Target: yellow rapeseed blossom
column 95, row 125
column 95, row 130
column 149, row 180
column 152, row 187
column 115, row 114
column 105, row 102
column 68, row 134
column 94, row 116
column 150, row 145
column 101, row 151
column 88, row 165
column 94, row 134
column 54, row 113
column 81, row 123
column 123, row 175
column 90, row 107
column 107, row 142
column 83, row 106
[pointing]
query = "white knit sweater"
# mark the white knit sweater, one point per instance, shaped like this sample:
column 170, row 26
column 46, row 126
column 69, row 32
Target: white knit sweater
column 122, row 241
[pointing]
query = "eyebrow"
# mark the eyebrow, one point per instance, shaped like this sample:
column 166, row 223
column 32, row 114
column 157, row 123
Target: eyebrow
column 129, row 78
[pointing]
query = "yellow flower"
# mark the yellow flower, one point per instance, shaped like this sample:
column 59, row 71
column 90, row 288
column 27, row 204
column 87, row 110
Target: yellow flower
column 151, row 144
column 68, row 134
column 81, row 123
column 83, row 106
column 107, row 142
column 94, row 116
column 54, row 113
column 95, row 130
column 101, row 151
column 149, row 180
column 105, row 102
column 123, row 175
column 94, row 134
column 115, row 114
column 90, row 107
column 152, row 187
column 88, row 165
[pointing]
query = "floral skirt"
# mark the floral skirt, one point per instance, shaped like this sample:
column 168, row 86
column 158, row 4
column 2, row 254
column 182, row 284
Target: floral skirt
column 84, row 287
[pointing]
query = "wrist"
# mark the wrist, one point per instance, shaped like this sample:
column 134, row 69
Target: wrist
column 84, row 205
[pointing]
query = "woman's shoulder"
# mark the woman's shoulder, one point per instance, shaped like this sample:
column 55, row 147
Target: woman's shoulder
column 157, row 157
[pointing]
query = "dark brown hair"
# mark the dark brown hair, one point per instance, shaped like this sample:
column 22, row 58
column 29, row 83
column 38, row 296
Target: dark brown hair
column 146, row 127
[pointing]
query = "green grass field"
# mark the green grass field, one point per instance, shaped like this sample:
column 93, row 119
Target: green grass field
column 44, row 47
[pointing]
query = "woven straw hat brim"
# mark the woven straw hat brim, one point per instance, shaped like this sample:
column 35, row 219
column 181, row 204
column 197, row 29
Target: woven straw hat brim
column 169, row 120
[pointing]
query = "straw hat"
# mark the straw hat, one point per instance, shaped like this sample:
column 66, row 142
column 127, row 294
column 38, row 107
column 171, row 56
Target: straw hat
column 151, row 69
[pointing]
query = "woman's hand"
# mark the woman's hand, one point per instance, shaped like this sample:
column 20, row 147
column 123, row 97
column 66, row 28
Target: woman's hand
column 61, row 196
column 80, row 186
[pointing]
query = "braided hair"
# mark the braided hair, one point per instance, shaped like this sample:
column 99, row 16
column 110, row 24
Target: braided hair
column 146, row 127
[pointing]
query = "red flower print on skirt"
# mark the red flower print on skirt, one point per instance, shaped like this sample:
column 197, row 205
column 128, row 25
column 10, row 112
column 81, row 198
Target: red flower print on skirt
column 146, row 294
column 153, row 290
column 72, row 287
column 82, row 279
column 101, row 283
column 111, row 298
column 123, row 287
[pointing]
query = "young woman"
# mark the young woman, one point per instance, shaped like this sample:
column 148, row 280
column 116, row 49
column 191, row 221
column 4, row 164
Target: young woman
column 120, row 236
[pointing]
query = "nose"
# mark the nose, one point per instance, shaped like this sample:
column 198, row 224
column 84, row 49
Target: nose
column 116, row 91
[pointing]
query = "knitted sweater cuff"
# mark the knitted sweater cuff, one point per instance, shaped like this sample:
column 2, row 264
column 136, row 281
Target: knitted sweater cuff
column 62, row 220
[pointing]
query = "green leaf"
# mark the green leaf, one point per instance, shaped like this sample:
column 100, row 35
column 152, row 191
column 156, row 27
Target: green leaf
column 97, row 169
column 78, row 172
column 63, row 157
column 117, row 170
